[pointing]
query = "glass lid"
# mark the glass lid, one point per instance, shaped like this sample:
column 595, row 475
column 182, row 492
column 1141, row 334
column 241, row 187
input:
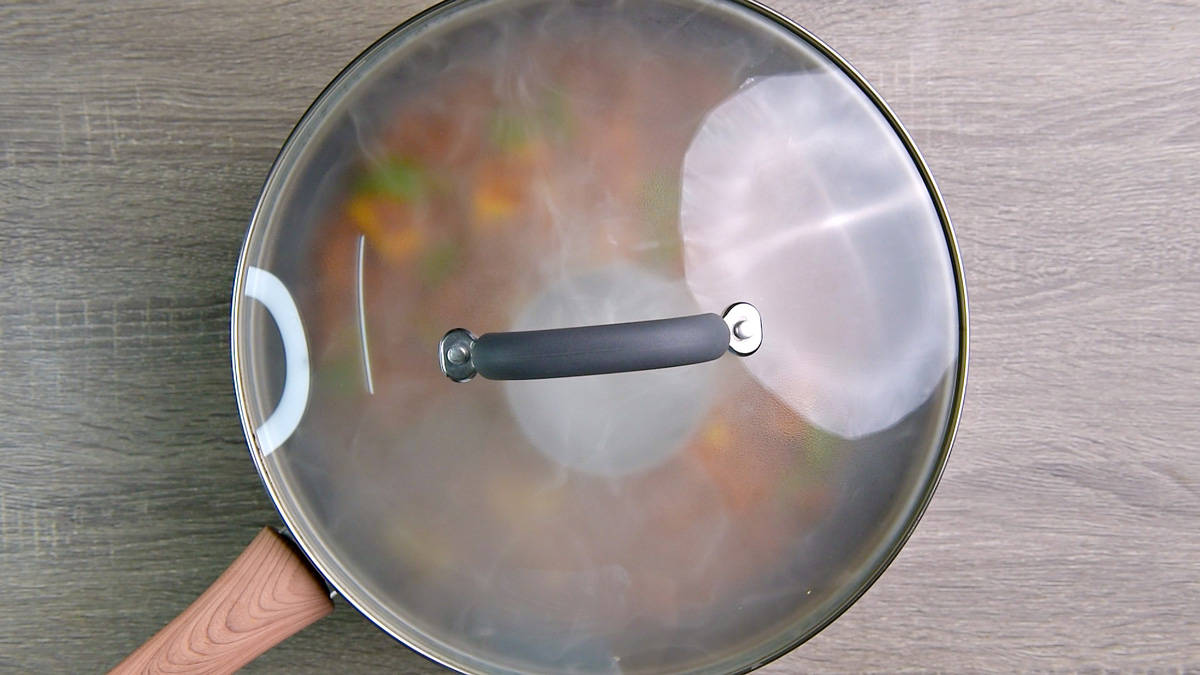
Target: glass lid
column 599, row 337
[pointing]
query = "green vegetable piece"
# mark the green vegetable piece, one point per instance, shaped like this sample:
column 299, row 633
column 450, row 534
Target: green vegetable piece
column 509, row 132
column 399, row 178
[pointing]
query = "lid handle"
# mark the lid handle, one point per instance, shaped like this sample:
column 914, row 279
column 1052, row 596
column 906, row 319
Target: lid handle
column 598, row 350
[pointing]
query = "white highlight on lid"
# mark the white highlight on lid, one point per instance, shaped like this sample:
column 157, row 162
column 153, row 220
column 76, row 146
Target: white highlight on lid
column 362, row 318
column 799, row 196
column 270, row 291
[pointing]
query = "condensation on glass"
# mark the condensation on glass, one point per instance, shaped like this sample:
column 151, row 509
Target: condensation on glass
column 513, row 165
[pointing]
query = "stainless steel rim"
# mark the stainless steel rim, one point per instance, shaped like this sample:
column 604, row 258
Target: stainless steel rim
column 367, row 606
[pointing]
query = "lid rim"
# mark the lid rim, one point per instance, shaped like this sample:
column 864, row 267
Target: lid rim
column 431, row 648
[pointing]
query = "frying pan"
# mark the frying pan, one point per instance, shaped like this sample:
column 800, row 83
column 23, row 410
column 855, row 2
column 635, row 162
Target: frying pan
column 596, row 337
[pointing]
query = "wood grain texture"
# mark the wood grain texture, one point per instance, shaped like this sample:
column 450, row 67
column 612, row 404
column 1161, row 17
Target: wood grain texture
column 266, row 595
column 134, row 137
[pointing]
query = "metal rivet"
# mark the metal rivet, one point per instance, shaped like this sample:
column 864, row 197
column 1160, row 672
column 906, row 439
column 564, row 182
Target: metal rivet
column 454, row 354
column 744, row 330
column 458, row 355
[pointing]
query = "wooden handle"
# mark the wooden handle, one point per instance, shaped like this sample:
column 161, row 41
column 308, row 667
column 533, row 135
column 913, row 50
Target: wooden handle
column 267, row 594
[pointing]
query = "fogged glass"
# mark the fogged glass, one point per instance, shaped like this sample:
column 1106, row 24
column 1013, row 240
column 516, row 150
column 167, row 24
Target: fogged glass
column 518, row 165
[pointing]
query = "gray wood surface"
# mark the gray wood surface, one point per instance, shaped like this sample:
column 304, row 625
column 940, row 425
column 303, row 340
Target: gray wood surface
column 134, row 137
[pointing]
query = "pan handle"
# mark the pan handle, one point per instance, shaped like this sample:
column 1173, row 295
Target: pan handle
column 269, row 593
column 597, row 350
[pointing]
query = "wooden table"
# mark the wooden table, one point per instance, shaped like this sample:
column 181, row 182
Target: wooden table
column 1065, row 135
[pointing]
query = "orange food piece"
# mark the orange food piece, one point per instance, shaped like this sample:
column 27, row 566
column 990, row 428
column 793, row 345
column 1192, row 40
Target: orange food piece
column 743, row 479
column 388, row 226
column 502, row 183
column 498, row 195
